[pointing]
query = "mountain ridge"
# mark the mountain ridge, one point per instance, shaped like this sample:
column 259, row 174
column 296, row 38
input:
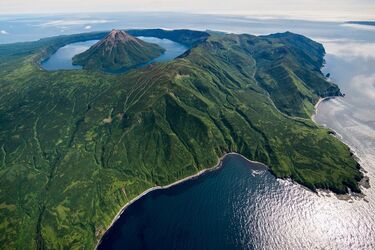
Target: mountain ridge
column 78, row 145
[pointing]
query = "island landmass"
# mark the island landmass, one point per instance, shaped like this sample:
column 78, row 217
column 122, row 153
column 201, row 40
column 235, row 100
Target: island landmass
column 75, row 146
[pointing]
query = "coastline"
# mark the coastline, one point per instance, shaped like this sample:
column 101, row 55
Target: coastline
column 218, row 165
column 364, row 181
column 321, row 99
column 336, row 134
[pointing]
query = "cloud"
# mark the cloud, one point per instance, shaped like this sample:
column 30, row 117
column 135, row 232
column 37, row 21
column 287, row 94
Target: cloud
column 317, row 9
column 59, row 23
column 366, row 85
column 4, row 32
column 359, row 26
column 88, row 27
column 333, row 40
column 347, row 49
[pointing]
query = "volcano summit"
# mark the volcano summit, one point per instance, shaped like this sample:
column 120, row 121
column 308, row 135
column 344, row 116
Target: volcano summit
column 116, row 52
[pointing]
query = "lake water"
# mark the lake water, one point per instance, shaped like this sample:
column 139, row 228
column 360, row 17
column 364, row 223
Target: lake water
column 62, row 58
column 238, row 207
column 172, row 49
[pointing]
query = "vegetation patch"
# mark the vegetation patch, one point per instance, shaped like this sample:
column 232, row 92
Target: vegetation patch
column 75, row 146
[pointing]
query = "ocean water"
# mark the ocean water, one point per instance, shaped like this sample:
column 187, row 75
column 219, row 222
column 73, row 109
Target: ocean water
column 62, row 58
column 239, row 207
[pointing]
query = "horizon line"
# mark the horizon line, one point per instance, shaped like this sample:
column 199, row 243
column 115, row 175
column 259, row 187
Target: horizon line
column 248, row 15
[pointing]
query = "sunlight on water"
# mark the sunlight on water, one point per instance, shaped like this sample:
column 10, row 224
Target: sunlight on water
column 259, row 211
column 242, row 207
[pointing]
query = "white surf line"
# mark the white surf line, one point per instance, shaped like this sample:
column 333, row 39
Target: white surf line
column 191, row 177
column 353, row 149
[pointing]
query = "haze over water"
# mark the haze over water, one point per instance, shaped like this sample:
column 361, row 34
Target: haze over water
column 238, row 206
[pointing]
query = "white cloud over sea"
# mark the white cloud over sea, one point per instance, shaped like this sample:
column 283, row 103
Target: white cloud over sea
column 366, row 85
column 305, row 9
column 347, row 49
column 72, row 22
column 359, row 26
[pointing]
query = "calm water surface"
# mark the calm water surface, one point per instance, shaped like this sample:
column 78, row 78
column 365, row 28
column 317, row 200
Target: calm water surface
column 172, row 49
column 62, row 58
column 241, row 206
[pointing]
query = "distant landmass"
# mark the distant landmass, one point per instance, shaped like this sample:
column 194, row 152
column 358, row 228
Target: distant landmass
column 371, row 23
column 75, row 146
column 118, row 50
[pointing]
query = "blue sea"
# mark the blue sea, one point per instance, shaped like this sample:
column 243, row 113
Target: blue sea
column 241, row 205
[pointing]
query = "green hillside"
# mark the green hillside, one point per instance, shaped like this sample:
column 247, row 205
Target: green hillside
column 117, row 51
column 75, row 146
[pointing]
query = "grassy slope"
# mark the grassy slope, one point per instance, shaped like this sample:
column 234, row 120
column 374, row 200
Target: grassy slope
column 123, row 55
column 77, row 145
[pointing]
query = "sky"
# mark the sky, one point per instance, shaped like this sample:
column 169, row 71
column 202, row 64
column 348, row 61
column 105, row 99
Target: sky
column 300, row 9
